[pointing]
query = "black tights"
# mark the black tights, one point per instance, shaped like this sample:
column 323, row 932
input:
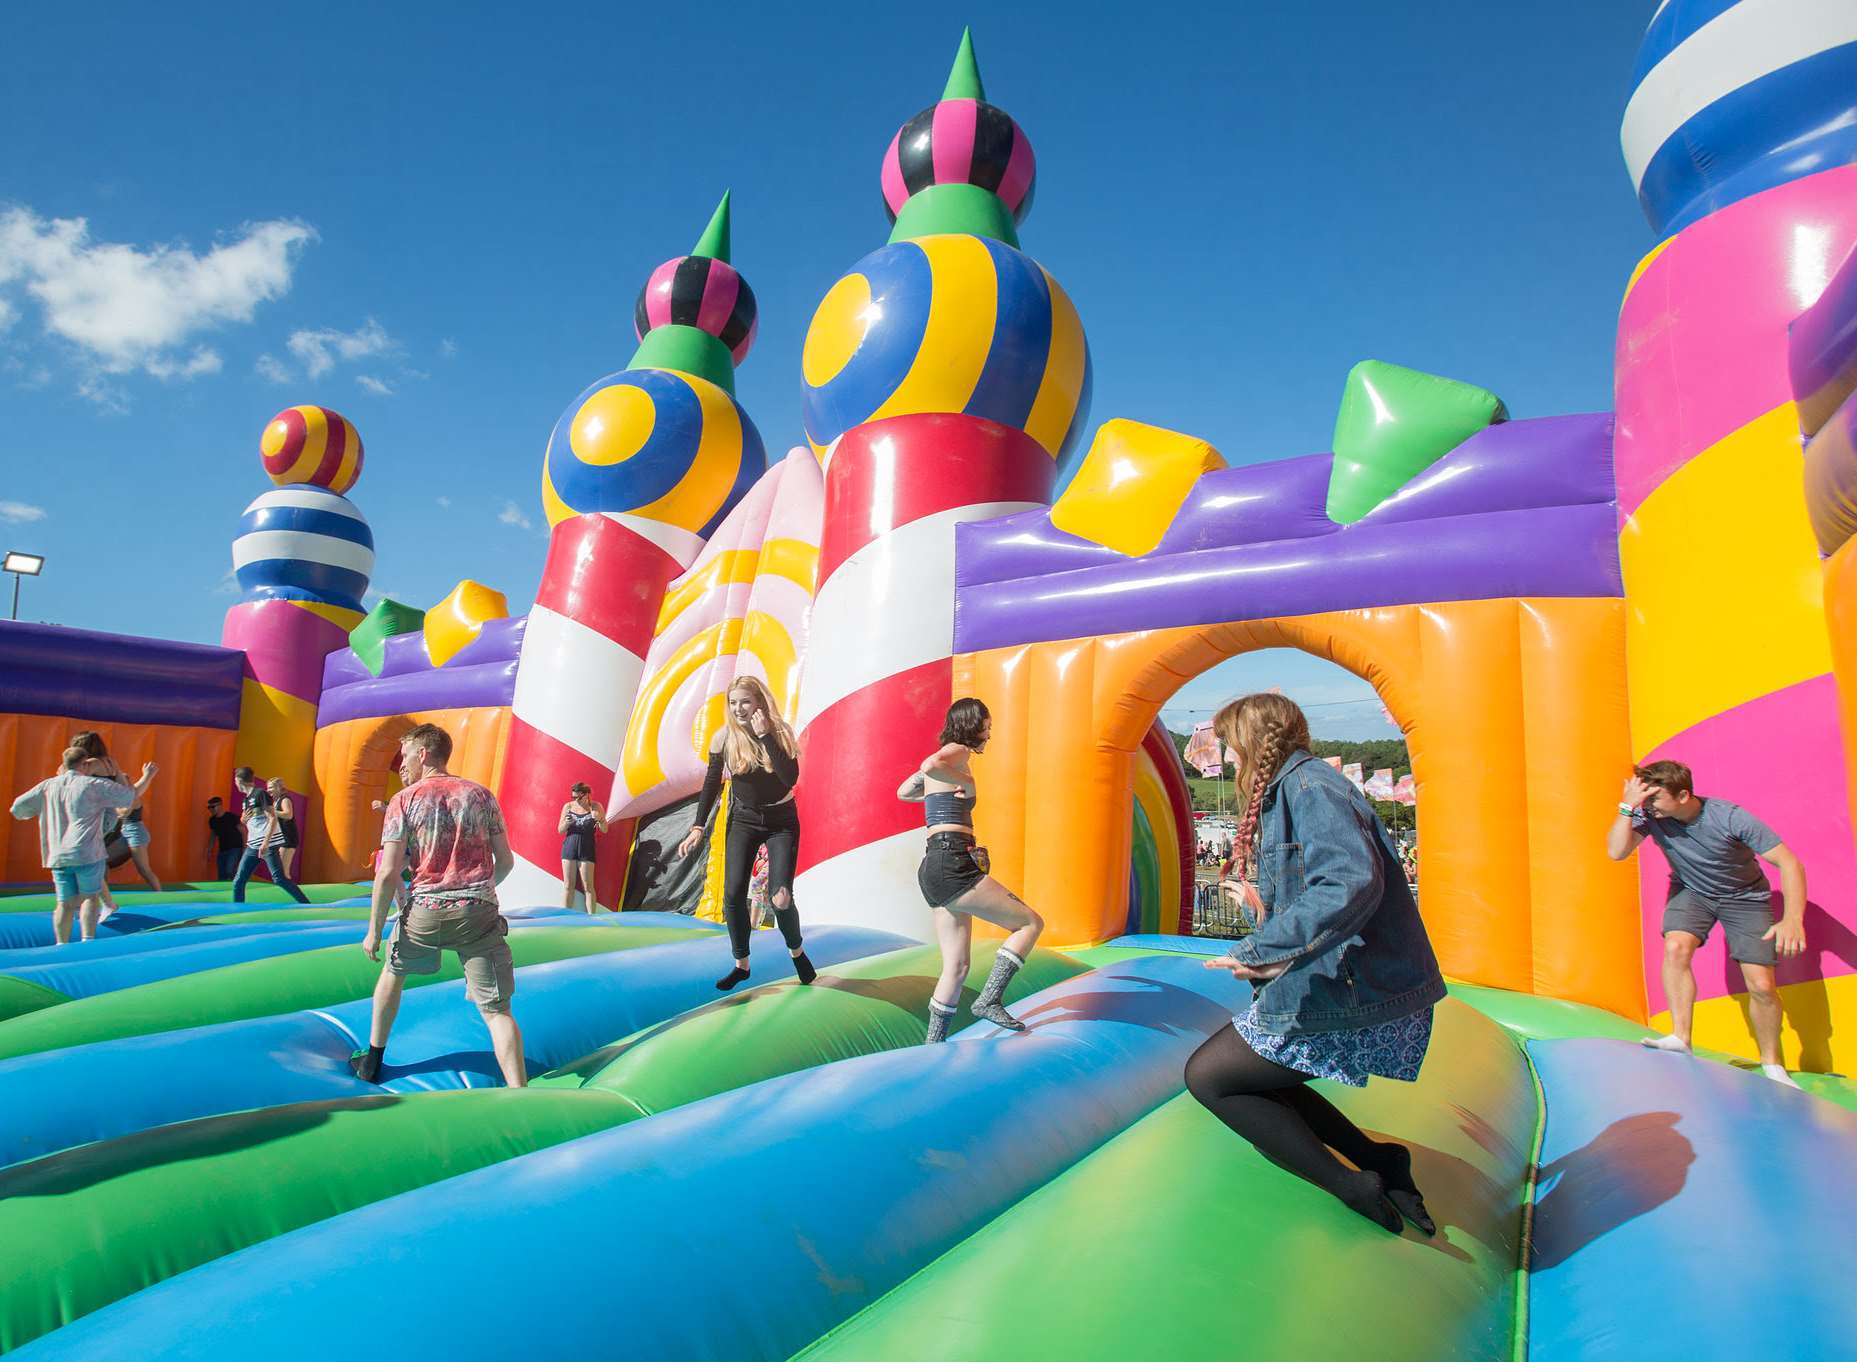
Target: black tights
column 1295, row 1127
column 778, row 828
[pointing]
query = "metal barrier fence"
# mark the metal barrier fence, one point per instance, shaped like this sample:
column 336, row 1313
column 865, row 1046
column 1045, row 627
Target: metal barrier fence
column 1217, row 914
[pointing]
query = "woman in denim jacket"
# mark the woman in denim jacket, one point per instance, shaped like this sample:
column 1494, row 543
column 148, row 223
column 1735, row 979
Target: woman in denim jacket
column 1343, row 975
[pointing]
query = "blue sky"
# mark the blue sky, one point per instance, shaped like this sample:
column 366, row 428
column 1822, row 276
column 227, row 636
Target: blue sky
column 436, row 221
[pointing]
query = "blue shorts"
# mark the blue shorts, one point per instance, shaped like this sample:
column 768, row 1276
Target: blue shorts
column 78, row 881
column 136, row 833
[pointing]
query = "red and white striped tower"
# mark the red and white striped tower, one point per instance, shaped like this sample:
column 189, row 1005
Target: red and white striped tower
column 946, row 377
column 639, row 470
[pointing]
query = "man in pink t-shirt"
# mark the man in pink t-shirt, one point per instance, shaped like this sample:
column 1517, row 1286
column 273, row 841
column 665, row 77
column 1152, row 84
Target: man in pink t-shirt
column 449, row 832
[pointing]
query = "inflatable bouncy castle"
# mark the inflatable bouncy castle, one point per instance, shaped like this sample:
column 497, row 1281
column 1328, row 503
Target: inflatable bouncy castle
column 189, row 1169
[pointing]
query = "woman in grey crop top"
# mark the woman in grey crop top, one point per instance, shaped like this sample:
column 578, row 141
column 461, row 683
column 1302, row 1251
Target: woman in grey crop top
column 954, row 879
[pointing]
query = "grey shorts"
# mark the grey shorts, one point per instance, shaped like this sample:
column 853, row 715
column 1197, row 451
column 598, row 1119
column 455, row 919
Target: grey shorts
column 475, row 930
column 1742, row 923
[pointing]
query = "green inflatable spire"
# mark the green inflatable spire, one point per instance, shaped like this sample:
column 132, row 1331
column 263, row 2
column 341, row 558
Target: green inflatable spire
column 962, row 208
column 715, row 239
column 685, row 348
column 964, row 78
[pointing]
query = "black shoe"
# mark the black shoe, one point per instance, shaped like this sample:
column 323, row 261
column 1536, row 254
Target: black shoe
column 365, row 1065
column 803, row 968
column 732, row 978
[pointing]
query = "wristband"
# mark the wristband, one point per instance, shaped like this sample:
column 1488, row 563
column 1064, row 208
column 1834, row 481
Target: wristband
column 1625, row 810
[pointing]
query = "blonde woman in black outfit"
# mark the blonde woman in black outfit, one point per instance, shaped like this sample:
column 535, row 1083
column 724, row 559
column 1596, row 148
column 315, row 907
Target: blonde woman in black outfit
column 953, row 876
column 760, row 756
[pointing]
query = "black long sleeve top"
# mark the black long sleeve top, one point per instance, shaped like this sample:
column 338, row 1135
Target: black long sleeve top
column 754, row 788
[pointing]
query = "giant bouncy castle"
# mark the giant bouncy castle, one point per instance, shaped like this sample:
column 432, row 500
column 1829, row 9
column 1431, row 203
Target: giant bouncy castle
column 188, row 1168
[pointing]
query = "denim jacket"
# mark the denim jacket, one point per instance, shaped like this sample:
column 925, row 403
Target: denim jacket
column 1340, row 911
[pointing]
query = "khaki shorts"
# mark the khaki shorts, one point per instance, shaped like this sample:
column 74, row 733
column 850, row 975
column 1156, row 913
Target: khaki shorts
column 472, row 928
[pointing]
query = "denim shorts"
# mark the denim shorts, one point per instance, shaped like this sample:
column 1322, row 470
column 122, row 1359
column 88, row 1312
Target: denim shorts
column 135, row 833
column 948, row 869
column 78, row 881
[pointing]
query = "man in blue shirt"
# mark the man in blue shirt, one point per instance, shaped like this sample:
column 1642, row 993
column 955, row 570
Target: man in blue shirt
column 1714, row 849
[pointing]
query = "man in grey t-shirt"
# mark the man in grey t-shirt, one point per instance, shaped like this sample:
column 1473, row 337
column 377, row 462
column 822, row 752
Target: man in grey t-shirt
column 1714, row 849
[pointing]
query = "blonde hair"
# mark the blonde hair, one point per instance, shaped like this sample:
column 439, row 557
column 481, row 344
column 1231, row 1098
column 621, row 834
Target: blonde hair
column 740, row 752
column 1261, row 731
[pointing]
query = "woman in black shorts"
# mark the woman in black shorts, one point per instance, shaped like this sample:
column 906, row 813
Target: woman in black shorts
column 757, row 749
column 954, row 875
column 581, row 820
column 286, row 810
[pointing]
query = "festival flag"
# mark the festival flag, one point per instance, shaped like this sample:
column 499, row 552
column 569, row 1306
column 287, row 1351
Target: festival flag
column 1204, row 752
column 1380, row 784
column 1333, row 761
column 1353, row 772
column 1405, row 792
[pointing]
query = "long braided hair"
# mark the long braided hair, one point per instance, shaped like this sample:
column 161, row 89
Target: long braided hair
column 1261, row 731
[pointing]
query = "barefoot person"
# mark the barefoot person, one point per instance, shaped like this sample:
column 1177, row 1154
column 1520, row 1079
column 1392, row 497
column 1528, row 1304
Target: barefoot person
column 953, row 874
column 1714, row 849
column 757, row 749
column 71, row 807
column 1343, row 974
column 581, row 820
column 450, row 830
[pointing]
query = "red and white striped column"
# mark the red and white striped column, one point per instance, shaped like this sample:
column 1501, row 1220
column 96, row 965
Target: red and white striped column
column 583, row 653
column 878, row 674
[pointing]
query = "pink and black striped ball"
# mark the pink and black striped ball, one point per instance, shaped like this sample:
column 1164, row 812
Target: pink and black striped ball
column 961, row 141
column 699, row 291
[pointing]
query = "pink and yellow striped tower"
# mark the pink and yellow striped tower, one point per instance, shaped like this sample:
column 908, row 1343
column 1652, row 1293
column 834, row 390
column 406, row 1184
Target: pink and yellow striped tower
column 303, row 557
column 1740, row 136
column 946, row 378
column 639, row 470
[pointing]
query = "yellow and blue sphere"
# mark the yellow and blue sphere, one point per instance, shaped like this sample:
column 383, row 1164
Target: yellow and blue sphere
column 657, row 443
column 947, row 324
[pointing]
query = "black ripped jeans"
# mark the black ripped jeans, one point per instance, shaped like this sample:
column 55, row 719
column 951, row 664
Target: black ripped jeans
column 778, row 828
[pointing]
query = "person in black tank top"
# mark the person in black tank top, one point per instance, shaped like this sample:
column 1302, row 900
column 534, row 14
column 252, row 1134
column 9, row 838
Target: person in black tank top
column 285, row 809
column 760, row 757
column 582, row 819
column 954, row 878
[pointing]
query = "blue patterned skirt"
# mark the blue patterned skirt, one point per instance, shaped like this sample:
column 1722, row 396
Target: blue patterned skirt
column 1392, row 1049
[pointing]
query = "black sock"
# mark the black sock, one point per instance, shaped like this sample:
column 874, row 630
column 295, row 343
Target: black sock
column 366, row 1065
column 732, row 978
column 803, row 968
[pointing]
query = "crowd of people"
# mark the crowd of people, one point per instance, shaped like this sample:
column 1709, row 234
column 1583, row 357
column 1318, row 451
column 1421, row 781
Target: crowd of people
column 1342, row 973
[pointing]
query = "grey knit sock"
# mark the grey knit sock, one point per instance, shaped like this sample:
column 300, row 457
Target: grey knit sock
column 940, row 1014
column 987, row 1005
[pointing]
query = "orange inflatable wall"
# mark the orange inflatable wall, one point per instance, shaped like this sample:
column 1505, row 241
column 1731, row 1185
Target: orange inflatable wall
column 354, row 764
column 1515, row 713
column 196, row 763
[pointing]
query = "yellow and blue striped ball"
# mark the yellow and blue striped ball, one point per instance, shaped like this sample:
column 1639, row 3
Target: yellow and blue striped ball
column 947, row 324
column 657, row 443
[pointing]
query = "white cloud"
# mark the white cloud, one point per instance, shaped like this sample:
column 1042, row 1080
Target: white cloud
column 106, row 396
column 447, row 348
column 270, row 368
column 201, row 361
column 445, row 503
column 128, row 308
column 511, row 514
column 374, row 385
column 320, row 351
column 20, row 512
